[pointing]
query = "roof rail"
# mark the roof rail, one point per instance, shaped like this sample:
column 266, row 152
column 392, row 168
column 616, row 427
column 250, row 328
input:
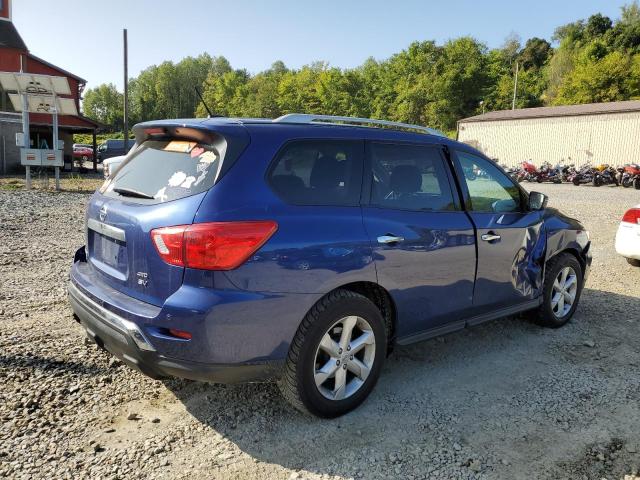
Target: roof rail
column 305, row 118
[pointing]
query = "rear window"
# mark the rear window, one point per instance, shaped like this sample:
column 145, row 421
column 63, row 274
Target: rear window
column 318, row 172
column 164, row 170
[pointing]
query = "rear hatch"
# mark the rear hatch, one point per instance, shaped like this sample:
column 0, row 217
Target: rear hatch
column 161, row 183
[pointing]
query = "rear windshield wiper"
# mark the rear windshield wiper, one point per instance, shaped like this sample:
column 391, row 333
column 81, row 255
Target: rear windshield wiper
column 129, row 192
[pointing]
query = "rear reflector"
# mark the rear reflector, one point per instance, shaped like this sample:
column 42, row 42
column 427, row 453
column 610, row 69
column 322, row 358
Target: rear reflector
column 179, row 334
column 632, row 216
column 212, row 246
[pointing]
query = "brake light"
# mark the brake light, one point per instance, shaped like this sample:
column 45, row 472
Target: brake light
column 212, row 246
column 154, row 131
column 632, row 216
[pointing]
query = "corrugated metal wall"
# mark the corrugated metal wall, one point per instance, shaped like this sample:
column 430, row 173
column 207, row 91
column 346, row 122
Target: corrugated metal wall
column 606, row 138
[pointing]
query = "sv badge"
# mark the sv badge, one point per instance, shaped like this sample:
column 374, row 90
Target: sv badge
column 143, row 278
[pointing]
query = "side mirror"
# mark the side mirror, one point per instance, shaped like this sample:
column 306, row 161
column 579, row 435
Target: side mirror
column 537, row 201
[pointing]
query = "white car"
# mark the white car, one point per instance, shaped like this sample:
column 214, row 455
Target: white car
column 628, row 236
column 110, row 165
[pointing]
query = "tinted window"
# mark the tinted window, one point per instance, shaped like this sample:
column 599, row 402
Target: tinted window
column 318, row 172
column 410, row 177
column 166, row 170
column 489, row 188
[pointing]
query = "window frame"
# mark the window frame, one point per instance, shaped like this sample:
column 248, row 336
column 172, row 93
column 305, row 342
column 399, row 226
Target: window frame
column 367, row 189
column 466, row 195
column 276, row 159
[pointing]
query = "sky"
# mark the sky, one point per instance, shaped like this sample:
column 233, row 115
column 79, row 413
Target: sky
column 85, row 36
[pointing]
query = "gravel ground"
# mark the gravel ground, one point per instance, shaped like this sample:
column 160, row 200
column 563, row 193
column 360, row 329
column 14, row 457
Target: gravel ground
column 504, row 400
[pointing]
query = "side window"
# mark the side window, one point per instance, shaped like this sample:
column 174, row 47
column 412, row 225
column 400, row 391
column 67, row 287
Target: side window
column 489, row 188
column 318, row 172
column 409, row 177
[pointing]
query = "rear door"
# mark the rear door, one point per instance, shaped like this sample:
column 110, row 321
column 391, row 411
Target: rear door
column 423, row 243
column 510, row 239
column 161, row 183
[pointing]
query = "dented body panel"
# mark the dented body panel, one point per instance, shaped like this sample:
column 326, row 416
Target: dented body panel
column 566, row 234
column 510, row 269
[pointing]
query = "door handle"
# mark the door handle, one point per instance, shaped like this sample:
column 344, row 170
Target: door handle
column 387, row 239
column 490, row 237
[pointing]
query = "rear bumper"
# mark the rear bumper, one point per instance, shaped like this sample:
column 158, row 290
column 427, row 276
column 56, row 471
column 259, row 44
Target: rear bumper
column 588, row 259
column 125, row 340
column 628, row 240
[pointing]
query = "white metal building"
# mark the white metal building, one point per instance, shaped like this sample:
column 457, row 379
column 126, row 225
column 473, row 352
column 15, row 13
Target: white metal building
column 595, row 133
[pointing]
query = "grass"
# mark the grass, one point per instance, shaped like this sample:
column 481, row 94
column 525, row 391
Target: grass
column 69, row 182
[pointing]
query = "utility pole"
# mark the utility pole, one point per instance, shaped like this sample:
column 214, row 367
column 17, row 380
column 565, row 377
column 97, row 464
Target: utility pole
column 126, row 93
column 515, row 88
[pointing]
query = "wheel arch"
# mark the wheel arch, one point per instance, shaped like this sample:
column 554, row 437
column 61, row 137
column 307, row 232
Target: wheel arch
column 575, row 253
column 381, row 298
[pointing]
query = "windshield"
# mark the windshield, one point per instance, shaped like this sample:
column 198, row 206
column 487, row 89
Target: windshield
column 164, row 170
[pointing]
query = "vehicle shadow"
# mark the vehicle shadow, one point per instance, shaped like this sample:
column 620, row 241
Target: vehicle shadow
column 471, row 387
column 35, row 362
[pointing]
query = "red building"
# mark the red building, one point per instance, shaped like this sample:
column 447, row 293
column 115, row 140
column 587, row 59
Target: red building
column 15, row 57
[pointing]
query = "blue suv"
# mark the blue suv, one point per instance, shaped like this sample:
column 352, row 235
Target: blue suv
column 303, row 249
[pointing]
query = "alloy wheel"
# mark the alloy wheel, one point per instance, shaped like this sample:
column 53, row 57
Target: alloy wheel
column 344, row 358
column 565, row 288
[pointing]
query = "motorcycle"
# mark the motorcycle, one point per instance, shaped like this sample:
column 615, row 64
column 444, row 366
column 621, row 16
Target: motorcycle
column 528, row 172
column 604, row 175
column 566, row 172
column 547, row 173
column 584, row 175
column 630, row 175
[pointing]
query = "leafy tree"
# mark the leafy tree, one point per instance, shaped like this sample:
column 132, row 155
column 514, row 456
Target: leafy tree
column 106, row 105
column 604, row 80
column 535, row 54
column 597, row 25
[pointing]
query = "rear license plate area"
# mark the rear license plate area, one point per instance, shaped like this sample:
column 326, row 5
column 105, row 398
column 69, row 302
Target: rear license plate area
column 109, row 251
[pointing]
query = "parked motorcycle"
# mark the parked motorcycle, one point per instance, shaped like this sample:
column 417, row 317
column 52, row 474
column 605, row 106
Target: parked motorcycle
column 528, row 172
column 604, row 175
column 583, row 175
column 548, row 173
column 630, row 175
column 566, row 172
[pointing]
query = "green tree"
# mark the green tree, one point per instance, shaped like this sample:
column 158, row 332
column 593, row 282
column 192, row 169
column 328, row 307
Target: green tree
column 106, row 105
column 612, row 78
column 597, row 25
column 535, row 54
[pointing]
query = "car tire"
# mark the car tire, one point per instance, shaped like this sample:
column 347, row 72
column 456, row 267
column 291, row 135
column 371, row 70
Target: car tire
column 548, row 314
column 633, row 262
column 299, row 383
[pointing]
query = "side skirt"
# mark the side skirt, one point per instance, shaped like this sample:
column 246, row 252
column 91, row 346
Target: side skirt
column 469, row 322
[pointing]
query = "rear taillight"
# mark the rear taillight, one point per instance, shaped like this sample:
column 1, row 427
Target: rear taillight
column 169, row 242
column 212, row 246
column 632, row 216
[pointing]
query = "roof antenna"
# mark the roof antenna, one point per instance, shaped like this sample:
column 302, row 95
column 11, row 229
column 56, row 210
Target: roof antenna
column 204, row 103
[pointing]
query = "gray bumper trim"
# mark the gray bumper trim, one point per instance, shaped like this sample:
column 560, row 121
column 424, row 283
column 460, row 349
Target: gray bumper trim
column 116, row 322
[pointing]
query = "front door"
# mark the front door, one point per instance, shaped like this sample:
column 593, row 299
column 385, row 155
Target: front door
column 511, row 239
column 423, row 243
